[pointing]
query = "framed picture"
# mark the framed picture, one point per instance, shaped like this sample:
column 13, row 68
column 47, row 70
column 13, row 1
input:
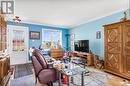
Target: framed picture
column 72, row 37
column 98, row 34
column 34, row 35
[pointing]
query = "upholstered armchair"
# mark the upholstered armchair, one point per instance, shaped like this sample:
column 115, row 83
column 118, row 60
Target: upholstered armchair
column 43, row 72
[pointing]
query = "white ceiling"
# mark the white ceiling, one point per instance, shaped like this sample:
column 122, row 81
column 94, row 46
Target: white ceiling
column 66, row 13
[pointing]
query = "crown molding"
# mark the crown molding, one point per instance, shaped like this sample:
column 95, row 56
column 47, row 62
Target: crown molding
column 100, row 17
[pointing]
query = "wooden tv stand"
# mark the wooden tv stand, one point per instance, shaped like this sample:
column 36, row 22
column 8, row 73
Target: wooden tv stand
column 89, row 57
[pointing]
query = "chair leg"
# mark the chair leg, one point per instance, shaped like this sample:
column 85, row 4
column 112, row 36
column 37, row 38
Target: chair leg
column 50, row 84
column 35, row 81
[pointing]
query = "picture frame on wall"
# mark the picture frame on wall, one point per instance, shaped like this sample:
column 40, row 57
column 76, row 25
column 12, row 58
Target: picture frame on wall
column 34, row 35
column 98, row 34
column 72, row 37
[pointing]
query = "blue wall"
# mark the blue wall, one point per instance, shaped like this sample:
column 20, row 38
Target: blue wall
column 34, row 27
column 88, row 31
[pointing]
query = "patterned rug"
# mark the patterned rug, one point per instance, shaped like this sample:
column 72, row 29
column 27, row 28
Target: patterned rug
column 23, row 70
column 94, row 78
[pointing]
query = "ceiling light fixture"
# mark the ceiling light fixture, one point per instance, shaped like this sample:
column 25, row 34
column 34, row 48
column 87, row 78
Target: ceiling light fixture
column 16, row 19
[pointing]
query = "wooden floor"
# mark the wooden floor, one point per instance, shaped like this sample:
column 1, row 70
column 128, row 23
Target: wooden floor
column 114, row 81
column 117, row 81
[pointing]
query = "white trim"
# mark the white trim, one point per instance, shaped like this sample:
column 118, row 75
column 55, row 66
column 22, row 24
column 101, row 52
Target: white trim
column 19, row 28
column 100, row 17
column 77, row 24
column 29, row 61
column 44, row 24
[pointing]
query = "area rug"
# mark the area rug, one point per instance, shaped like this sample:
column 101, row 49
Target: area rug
column 94, row 78
column 22, row 70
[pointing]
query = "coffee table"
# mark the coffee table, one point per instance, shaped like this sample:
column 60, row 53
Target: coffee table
column 73, row 69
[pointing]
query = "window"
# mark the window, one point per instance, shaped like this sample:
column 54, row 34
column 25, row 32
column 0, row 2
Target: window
column 51, row 39
column 18, row 40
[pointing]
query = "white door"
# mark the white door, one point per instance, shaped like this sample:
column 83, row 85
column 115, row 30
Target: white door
column 18, row 44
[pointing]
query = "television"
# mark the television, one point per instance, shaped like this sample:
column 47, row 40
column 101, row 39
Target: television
column 81, row 46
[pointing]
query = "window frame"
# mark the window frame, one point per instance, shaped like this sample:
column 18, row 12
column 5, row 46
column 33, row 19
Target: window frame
column 51, row 30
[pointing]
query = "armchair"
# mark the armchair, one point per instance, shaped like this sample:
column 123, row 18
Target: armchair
column 42, row 71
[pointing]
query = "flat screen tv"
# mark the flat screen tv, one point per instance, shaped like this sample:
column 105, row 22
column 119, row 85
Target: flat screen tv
column 81, row 46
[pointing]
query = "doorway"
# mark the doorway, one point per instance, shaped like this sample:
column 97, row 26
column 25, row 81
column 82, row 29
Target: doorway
column 18, row 44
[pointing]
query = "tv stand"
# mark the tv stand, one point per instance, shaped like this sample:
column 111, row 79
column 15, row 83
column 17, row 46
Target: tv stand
column 89, row 57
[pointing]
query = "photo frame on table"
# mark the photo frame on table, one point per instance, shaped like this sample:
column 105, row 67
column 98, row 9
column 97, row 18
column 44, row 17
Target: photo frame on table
column 98, row 34
column 34, row 35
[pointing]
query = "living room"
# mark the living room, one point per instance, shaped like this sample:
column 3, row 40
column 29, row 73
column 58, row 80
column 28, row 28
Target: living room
column 93, row 33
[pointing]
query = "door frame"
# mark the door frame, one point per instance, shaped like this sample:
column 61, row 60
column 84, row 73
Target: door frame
column 9, row 28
